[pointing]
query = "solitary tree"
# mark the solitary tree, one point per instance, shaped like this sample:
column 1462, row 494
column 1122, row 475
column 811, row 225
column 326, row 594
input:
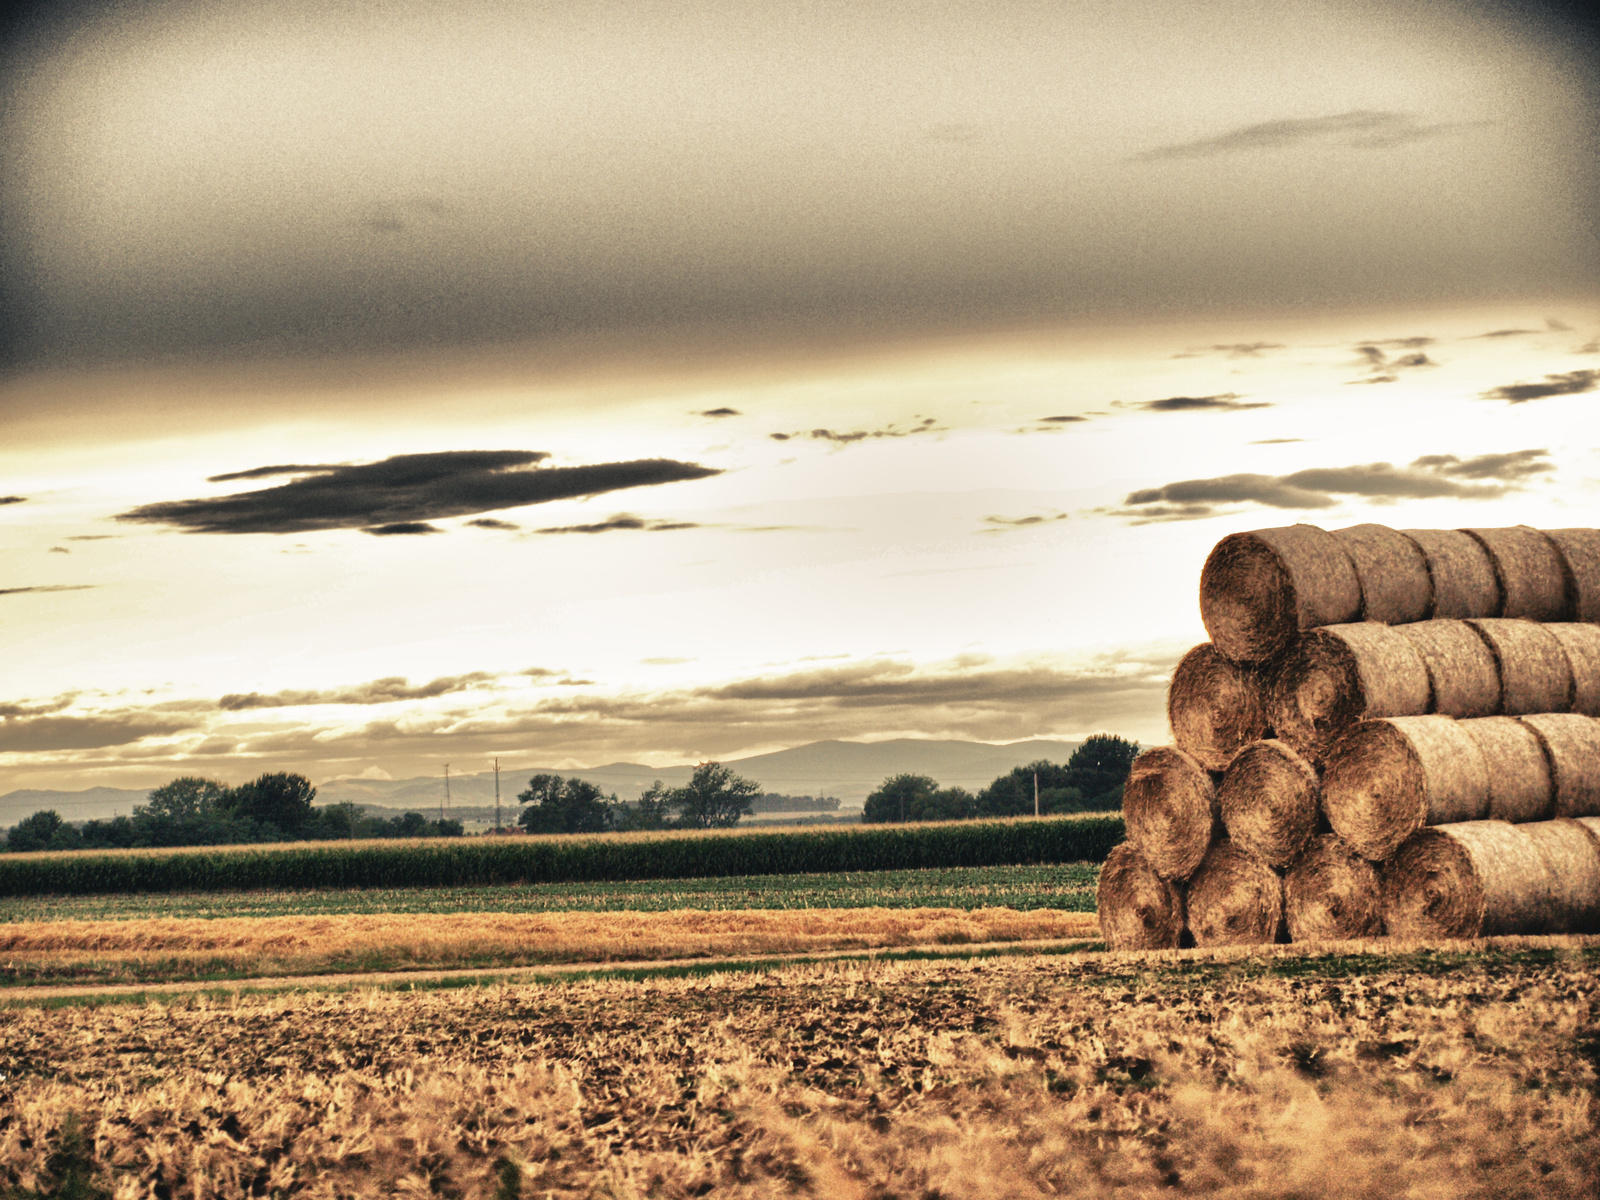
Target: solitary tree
column 714, row 796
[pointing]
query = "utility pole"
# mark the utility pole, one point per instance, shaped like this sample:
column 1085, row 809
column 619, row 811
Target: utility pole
column 497, row 826
column 1036, row 793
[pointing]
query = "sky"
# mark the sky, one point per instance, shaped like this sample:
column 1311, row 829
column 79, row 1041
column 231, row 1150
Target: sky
column 384, row 386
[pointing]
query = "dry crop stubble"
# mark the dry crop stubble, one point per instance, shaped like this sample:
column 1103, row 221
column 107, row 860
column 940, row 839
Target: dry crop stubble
column 160, row 948
column 1166, row 1074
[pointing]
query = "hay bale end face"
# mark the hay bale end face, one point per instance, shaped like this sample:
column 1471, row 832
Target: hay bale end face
column 1476, row 879
column 1580, row 552
column 1571, row 744
column 1235, row 899
column 1581, row 644
column 1341, row 674
column 1463, row 674
column 1332, row 893
column 1535, row 676
column 1572, row 854
column 1531, row 571
column 1258, row 589
column 1392, row 571
column 1520, row 785
column 1170, row 807
column 1215, row 707
column 1460, row 573
column 1270, row 801
column 1138, row 909
column 1388, row 778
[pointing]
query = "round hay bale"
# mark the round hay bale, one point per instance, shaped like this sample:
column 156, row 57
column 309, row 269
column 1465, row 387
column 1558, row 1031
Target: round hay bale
column 1270, row 801
column 1392, row 571
column 1169, row 805
column 1535, row 676
column 1573, row 855
column 1340, row 674
column 1476, row 879
column 1532, row 574
column 1463, row 674
column 1258, row 589
column 1138, row 909
column 1571, row 743
column 1520, row 786
column 1388, row 778
column 1215, row 707
column 1460, row 572
column 1581, row 643
column 1580, row 551
column 1235, row 899
column 1332, row 893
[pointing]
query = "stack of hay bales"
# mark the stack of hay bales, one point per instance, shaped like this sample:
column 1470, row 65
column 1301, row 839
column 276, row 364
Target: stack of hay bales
column 1389, row 731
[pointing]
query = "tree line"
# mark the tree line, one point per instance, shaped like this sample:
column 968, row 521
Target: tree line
column 192, row 811
column 1090, row 781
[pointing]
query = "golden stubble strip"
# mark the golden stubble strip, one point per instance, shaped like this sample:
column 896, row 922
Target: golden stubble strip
column 429, row 938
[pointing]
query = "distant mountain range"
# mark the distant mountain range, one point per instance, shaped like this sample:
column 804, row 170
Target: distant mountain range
column 847, row 771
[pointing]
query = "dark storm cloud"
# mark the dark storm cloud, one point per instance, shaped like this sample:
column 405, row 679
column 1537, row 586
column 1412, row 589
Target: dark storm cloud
column 379, row 691
column 36, row 735
column 926, row 425
column 1223, row 402
column 1486, row 477
column 408, row 489
column 49, row 587
column 622, row 521
column 1365, row 130
column 1568, row 383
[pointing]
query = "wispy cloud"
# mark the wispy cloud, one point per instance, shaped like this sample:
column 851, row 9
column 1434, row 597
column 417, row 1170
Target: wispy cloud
column 49, row 587
column 1223, row 402
column 13, row 499
column 378, row 691
column 722, row 412
column 1567, row 383
column 622, row 521
column 1505, row 333
column 1485, row 477
column 492, row 523
column 1360, row 129
column 401, row 529
column 44, row 734
column 1232, row 349
column 998, row 524
column 399, row 494
column 925, row 425
column 1382, row 368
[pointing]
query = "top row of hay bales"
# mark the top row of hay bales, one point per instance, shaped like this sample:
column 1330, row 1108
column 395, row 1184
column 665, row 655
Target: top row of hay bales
column 1259, row 589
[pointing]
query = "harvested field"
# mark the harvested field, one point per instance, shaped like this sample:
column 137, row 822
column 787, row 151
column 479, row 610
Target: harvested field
column 1371, row 1074
column 166, row 949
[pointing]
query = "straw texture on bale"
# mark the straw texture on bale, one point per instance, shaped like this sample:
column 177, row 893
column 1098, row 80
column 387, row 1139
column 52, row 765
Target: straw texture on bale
column 1270, row 801
column 1216, row 707
column 1463, row 675
column 1476, row 879
column 1460, row 572
column 1535, row 676
column 1392, row 572
column 1532, row 575
column 1572, row 745
column 1573, row 855
column 1169, row 805
column 1388, row 778
column 1138, row 909
column 1235, row 899
column 1581, row 643
column 1580, row 551
column 1258, row 589
column 1332, row 893
column 1520, row 786
column 1340, row 674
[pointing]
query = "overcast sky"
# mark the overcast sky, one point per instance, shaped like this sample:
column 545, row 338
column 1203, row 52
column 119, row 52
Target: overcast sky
column 386, row 385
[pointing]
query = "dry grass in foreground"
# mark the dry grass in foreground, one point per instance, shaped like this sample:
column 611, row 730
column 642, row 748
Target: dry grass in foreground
column 1297, row 1076
column 170, row 950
